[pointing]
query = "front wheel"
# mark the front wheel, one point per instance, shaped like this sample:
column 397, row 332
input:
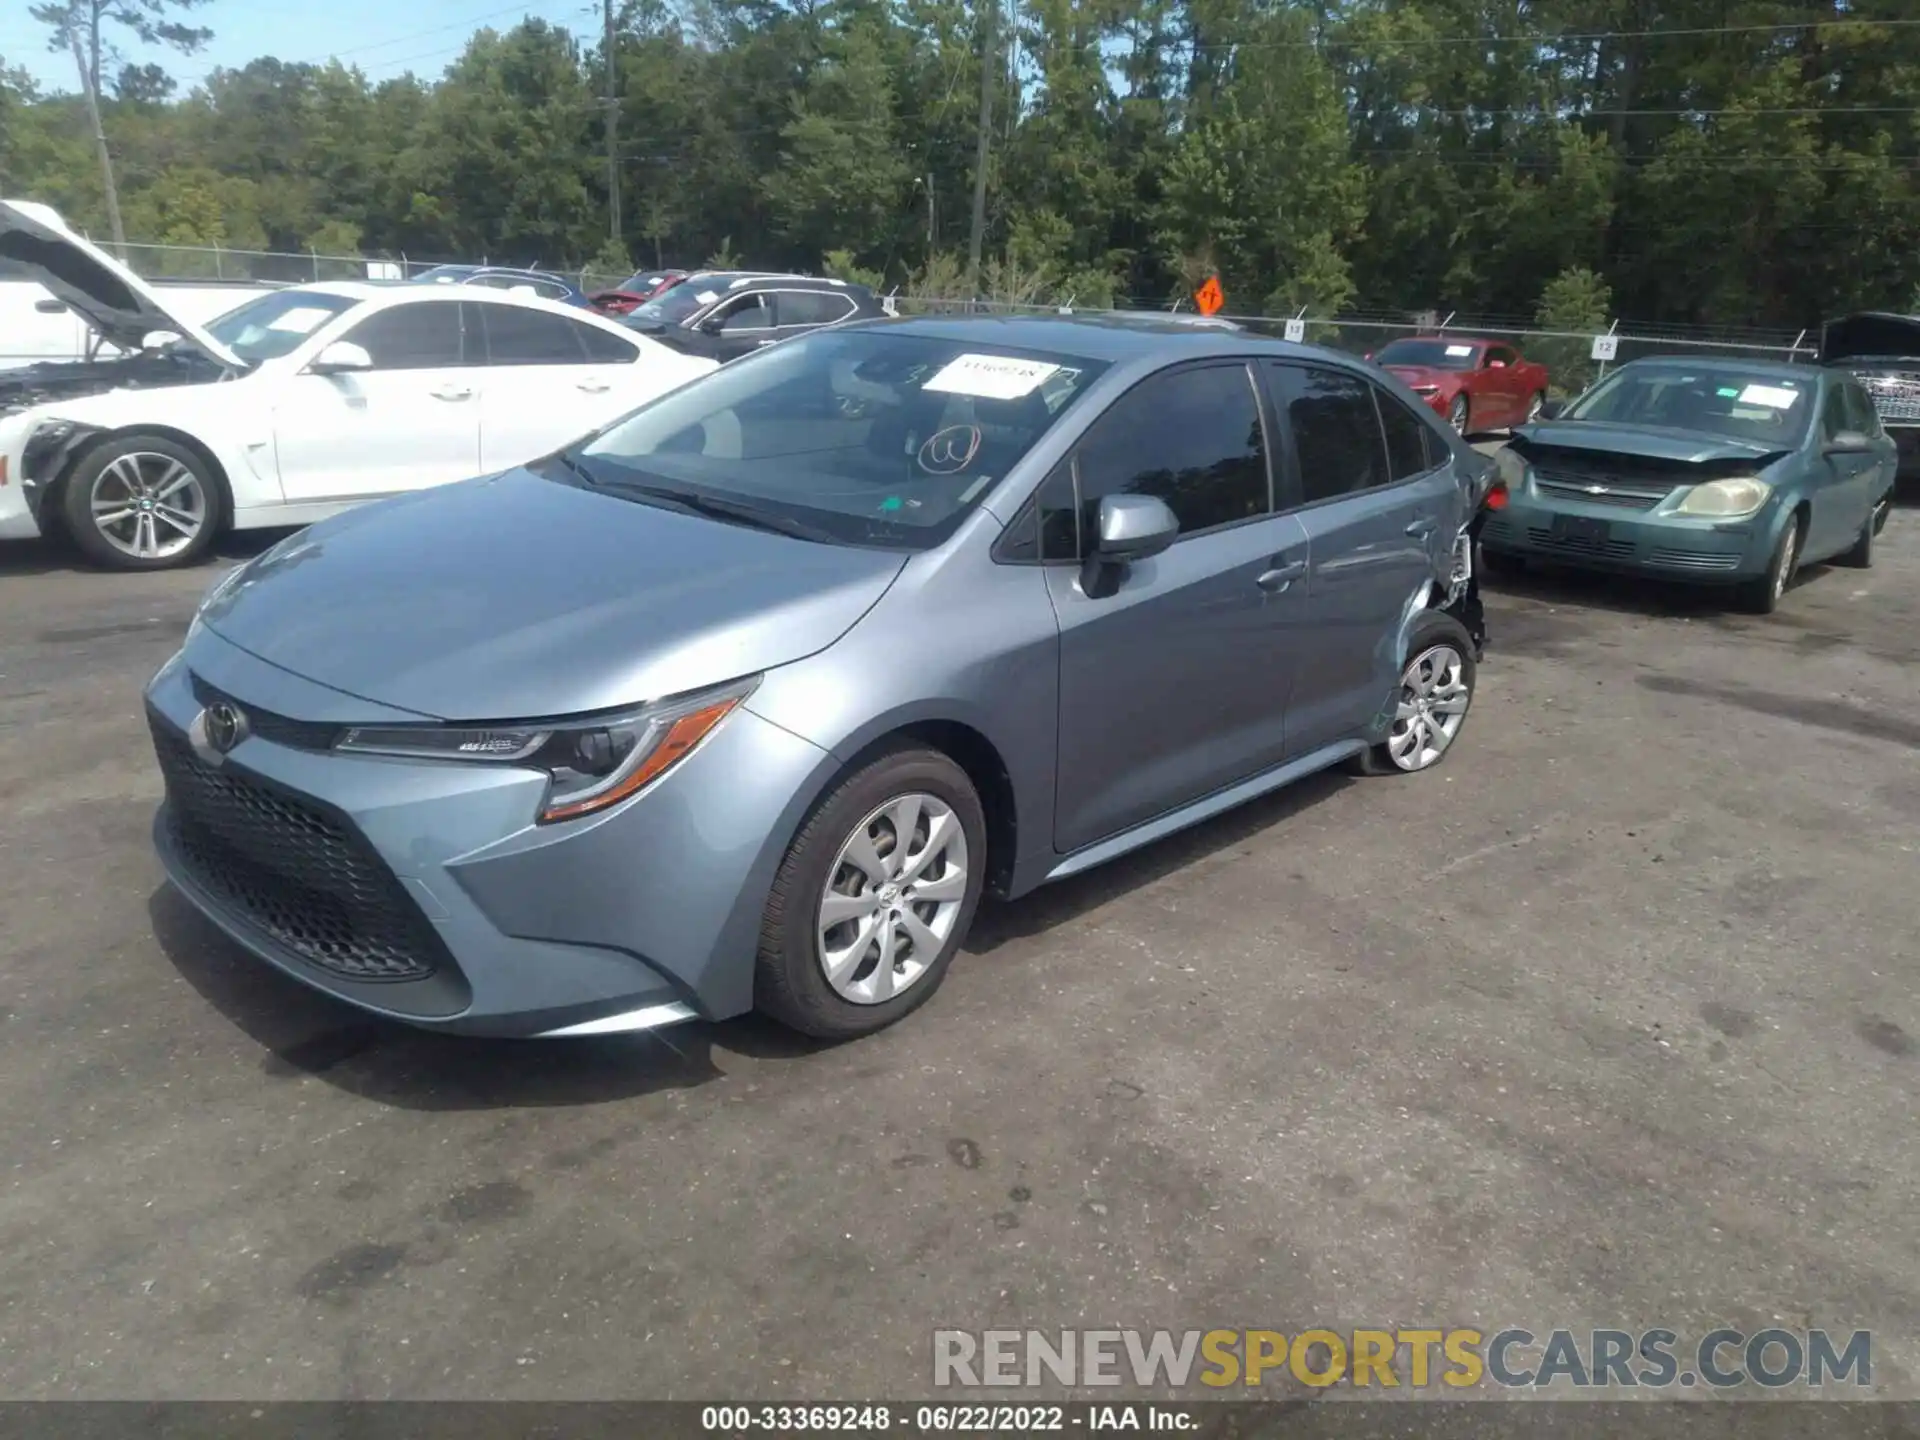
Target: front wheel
column 1459, row 415
column 1763, row 596
column 1535, row 406
column 143, row 502
column 1430, row 708
column 874, row 898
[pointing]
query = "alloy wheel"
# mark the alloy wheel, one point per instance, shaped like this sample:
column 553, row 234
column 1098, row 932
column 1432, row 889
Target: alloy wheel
column 1458, row 415
column 1789, row 549
column 1433, row 704
column 1534, row 407
column 148, row 505
column 892, row 898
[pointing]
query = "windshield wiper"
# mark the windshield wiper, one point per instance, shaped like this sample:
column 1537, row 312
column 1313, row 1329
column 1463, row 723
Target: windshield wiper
column 732, row 511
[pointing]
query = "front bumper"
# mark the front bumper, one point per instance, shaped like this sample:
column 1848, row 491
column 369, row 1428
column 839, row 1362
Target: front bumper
column 1596, row 536
column 424, row 892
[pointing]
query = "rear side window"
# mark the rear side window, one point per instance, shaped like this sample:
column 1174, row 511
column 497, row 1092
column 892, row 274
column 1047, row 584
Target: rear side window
column 1408, row 440
column 1192, row 437
column 423, row 335
column 1336, row 430
column 516, row 336
column 603, row 347
column 806, row 307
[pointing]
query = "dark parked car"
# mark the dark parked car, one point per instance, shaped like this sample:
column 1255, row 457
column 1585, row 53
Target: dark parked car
column 1882, row 351
column 1476, row 384
column 744, row 701
column 724, row 314
column 1723, row 471
column 505, row 277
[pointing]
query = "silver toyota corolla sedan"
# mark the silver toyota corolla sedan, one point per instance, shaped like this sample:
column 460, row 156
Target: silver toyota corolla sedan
column 743, row 700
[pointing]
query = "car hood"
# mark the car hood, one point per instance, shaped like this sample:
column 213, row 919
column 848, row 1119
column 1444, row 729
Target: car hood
column 1872, row 336
column 35, row 244
column 1422, row 375
column 518, row 597
column 1642, row 442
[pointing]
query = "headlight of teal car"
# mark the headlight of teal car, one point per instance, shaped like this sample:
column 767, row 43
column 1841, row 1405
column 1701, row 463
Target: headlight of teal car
column 1725, row 499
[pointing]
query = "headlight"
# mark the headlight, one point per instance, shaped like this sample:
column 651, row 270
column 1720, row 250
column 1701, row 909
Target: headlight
column 1725, row 499
column 592, row 763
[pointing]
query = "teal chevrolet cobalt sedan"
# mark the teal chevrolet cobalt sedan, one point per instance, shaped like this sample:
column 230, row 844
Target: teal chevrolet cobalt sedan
column 1719, row 471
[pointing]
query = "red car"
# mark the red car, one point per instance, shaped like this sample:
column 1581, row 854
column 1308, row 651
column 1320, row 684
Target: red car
column 1476, row 384
column 630, row 295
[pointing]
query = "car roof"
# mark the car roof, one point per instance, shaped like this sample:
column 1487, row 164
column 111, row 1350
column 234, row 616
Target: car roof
column 742, row 279
column 401, row 291
column 1094, row 337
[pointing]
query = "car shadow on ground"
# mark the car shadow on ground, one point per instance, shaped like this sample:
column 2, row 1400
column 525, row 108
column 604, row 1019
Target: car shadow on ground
column 304, row 1033
column 1635, row 595
column 58, row 555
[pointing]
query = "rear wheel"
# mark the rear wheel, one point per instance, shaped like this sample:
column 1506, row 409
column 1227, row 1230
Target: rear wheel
column 874, row 898
column 1763, row 596
column 143, row 502
column 1860, row 555
column 1430, row 708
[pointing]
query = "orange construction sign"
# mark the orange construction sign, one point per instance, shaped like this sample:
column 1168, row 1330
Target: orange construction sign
column 1210, row 297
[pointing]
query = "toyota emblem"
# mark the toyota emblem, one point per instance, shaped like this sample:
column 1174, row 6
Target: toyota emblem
column 217, row 729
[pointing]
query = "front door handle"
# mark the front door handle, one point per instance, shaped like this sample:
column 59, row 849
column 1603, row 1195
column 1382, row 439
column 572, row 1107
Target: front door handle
column 595, row 387
column 453, row 392
column 1281, row 576
column 1422, row 528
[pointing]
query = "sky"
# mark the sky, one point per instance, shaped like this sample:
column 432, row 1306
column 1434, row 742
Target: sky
column 382, row 37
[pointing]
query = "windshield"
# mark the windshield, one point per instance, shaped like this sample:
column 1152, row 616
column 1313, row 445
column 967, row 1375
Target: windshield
column 1432, row 354
column 675, row 306
column 876, row 439
column 1764, row 407
column 271, row 325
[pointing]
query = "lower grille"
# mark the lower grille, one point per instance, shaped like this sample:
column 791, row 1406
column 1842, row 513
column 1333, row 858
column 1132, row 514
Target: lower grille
column 1695, row 559
column 299, row 874
column 1582, row 545
column 1895, row 397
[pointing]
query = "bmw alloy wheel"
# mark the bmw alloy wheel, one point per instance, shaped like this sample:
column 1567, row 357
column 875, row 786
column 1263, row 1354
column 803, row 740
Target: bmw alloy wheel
column 1433, row 704
column 147, row 505
column 893, row 896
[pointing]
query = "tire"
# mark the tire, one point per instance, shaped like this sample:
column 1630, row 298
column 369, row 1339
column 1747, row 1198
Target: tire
column 1435, row 635
column 791, row 974
column 156, row 488
column 1460, row 416
column 1860, row 555
column 1763, row 596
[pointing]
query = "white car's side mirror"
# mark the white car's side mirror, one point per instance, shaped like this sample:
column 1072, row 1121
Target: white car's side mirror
column 154, row 339
column 341, row 357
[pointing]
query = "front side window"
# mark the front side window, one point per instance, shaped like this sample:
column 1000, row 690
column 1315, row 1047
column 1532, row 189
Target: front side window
column 1861, row 415
column 749, row 312
column 676, row 306
column 1833, row 414
column 421, row 335
column 1727, row 401
column 882, row 439
column 270, row 326
column 1336, row 430
column 1191, row 437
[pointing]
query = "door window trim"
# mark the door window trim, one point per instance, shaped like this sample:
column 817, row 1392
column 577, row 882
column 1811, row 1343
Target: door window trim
column 1071, row 460
column 1297, row 502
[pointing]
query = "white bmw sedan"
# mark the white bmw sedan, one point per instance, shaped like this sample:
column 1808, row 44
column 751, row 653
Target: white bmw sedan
column 295, row 405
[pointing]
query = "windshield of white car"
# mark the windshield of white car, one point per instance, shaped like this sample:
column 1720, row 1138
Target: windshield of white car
column 1428, row 354
column 270, row 326
column 1723, row 400
column 865, row 438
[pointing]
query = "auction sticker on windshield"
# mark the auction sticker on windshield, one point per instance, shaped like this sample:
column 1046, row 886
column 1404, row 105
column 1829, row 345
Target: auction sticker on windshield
column 1457, row 350
column 990, row 377
column 1773, row 396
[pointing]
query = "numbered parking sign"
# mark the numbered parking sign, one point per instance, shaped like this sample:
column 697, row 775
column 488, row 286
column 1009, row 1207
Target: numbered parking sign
column 1605, row 347
column 1296, row 330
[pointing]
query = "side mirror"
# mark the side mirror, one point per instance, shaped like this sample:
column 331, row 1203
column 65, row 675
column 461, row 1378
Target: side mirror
column 154, row 339
column 1552, row 409
column 1132, row 527
column 1848, row 442
column 341, row 357
column 713, row 324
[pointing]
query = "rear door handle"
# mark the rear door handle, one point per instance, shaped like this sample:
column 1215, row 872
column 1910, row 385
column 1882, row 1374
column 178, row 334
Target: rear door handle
column 595, row 387
column 1422, row 528
column 452, row 392
column 1281, row 576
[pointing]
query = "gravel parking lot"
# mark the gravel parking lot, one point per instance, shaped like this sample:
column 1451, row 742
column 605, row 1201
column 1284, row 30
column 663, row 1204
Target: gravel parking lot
column 1608, row 1022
